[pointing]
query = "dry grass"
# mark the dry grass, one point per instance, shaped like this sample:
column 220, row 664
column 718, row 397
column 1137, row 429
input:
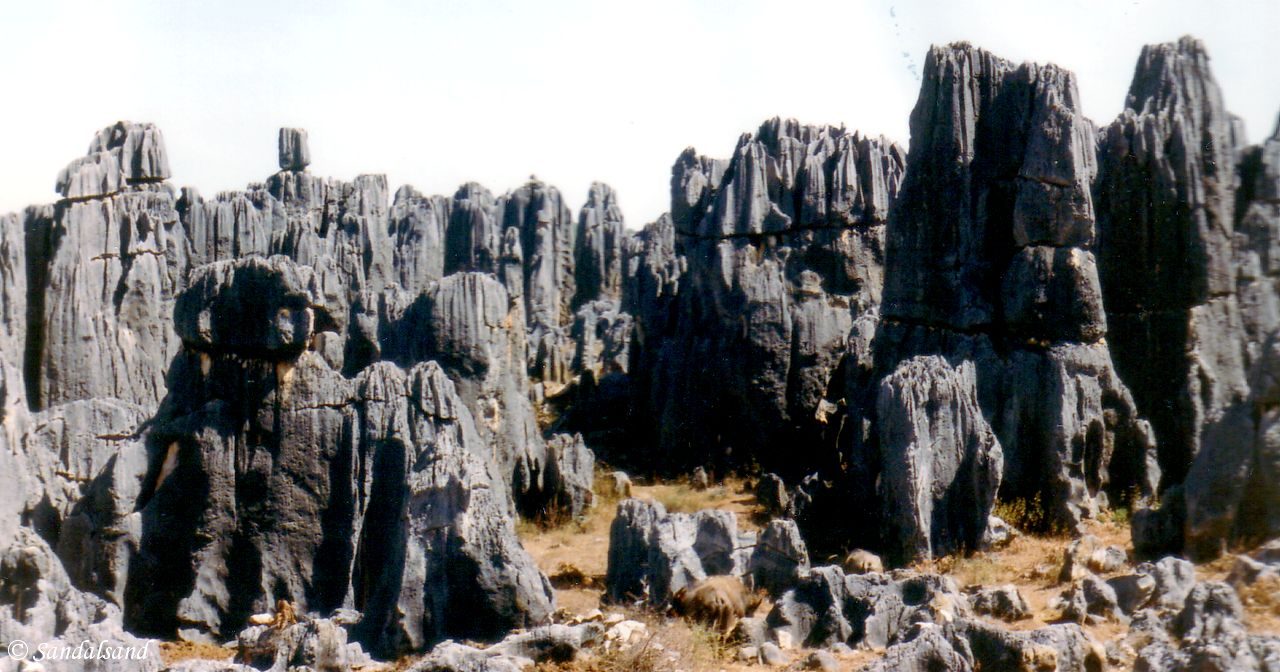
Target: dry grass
column 670, row 645
column 1261, row 601
column 581, row 547
column 174, row 652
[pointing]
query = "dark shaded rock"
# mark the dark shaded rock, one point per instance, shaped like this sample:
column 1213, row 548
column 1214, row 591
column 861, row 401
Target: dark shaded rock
column 570, row 476
column 1133, row 591
column 274, row 477
column 39, row 606
column 628, row 568
column 767, row 254
column 1055, row 647
column 1088, row 554
column 942, row 464
column 318, row 644
column 294, row 152
column 101, row 534
column 601, row 238
column 1003, row 602
column 780, row 557
column 1159, row 532
column 257, row 308
column 771, row 495
column 1091, row 600
column 1165, row 199
column 930, row 650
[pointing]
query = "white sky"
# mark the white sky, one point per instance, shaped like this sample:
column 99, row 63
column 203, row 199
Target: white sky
column 437, row 93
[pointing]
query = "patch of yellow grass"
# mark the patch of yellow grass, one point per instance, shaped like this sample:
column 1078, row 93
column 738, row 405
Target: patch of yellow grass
column 175, row 652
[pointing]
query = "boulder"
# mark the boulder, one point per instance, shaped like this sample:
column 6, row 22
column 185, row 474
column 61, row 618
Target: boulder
column 1091, row 600
column 780, row 557
column 1003, row 602
column 771, row 494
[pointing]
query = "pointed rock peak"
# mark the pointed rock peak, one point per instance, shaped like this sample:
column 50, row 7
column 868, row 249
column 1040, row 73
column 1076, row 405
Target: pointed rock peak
column 474, row 191
column 601, row 195
column 1173, row 73
column 295, row 154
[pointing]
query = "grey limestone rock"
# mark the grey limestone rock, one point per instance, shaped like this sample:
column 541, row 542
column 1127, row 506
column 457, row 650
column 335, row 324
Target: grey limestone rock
column 988, row 262
column 1165, row 228
column 570, row 475
column 872, row 610
column 653, row 553
column 40, row 606
column 941, row 461
column 373, row 492
column 768, row 254
column 1091, row 600
column 294, row 152
column 930, row 650
column 1056, row 647
column 626, row 578
column 780, row 557
column 1003, row 602
column 771, row 494
column 317, row 644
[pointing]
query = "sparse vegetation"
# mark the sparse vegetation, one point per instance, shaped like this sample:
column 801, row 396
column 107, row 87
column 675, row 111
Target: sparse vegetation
column 1029, row 515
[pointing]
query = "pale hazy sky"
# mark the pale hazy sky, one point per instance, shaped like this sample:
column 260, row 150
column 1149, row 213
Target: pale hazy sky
column 437, row 93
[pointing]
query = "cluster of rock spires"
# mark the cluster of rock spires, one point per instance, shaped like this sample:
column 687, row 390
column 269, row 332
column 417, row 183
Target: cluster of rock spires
column 312, row 390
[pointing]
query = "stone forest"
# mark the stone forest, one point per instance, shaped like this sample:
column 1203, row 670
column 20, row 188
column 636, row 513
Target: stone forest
column 320, row 425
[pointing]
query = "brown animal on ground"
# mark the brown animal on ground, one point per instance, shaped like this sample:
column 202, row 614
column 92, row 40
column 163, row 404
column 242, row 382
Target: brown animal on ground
column 719, row 601
column 284, row 616
column 859, row 561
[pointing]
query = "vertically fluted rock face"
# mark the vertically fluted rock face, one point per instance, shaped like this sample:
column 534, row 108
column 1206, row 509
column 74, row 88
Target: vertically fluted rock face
column 1187, row 223
column 1165, row 196
column 942, row 463
column 273, row 476
column 988, row 262
column 474, row 329
column 773, row 254
column 295, row 153
column 598, row 255
column 547, row 233
column 107, row 262
column 1257, row 232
